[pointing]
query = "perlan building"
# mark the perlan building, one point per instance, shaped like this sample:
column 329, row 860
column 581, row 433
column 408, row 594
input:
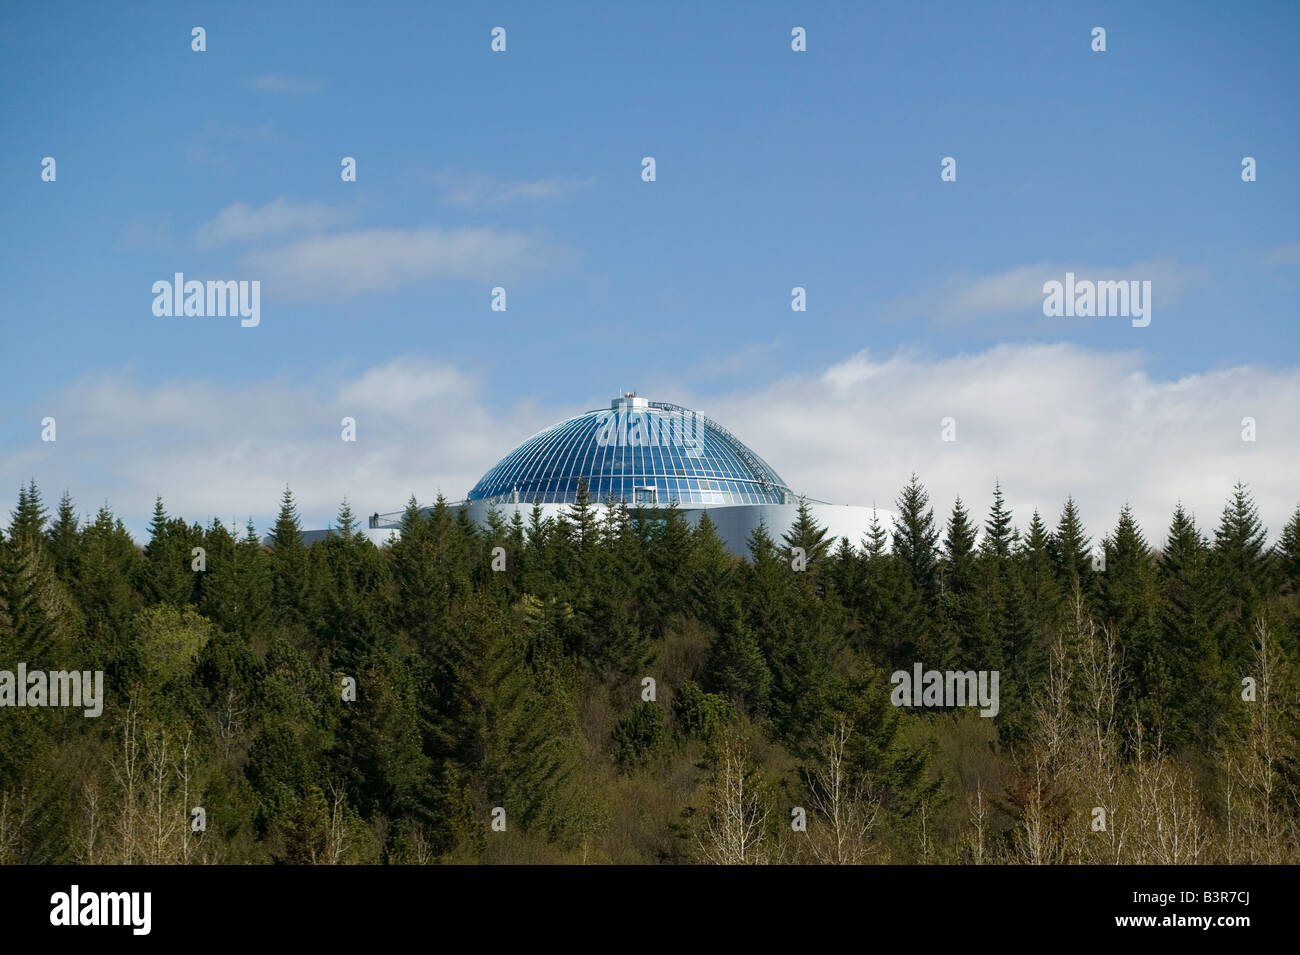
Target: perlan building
column 649, row 454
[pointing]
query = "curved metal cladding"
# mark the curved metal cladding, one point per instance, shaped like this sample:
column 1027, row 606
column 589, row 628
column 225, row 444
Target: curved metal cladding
column 635, row 451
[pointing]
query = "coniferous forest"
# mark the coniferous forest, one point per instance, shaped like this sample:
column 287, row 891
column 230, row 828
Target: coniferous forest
column 615, row 687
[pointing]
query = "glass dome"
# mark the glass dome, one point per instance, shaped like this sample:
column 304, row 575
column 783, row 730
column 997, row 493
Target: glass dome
column 638, row 451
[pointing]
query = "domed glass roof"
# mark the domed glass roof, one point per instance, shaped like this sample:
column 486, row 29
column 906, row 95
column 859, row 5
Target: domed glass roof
column 638, row 451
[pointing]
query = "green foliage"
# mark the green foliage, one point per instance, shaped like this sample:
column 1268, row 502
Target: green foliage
column 482, row 685
column 701, row 715
column 638, row 734
column 169, row 642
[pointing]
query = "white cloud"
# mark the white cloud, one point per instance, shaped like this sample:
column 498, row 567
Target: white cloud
column 1047, row 420
column 479, row 190
column 375, row 260
column 241, row 222
column 1020, row 289
column 215, row 449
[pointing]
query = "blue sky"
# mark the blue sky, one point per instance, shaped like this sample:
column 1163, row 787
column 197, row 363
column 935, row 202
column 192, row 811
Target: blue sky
column 522, row 169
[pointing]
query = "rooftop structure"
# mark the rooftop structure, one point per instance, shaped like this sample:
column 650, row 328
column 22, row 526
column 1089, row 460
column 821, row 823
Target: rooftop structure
column 645, row 454
column 638, row 451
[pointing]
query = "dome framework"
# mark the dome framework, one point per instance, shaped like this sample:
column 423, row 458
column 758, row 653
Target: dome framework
column 637, row 451
column 642, row 453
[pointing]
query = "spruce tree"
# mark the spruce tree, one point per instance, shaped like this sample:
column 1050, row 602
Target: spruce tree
column 1002, row 606
column 1242, row 573
column 1129, row 603
column 166, row 576
column 110, row 561
column 1042, row 595
column 582, row 517
column 42, row 616
column 291, row 591
column 712, row 576
column 670, row 559
column 1288, row 551
column 915, row 541
column 959, row 552
column 736, row 667
column 999, row 533
column 352, row 577
column 29, row 518
column 1189, row 621
column 807, row 535
column 876, row 542
column 64, row 540
column 1069, row 547
column 958, row 632
column 901, row 621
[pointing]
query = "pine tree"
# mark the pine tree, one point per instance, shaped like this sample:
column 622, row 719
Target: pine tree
column 615, row 602
column 1188, row 625
column 1069, row 547
column 999, row 534
column 532, row 757
column 896, row 771
column 235, row 590
column 535, row 565
column 380, row 750
column 110, row 560
column 915, row 541
column 166, row 577
column 1024, row 659
column 42, row 616
column 895, row 620
column 352, row 574
column 959, row 552
column 712, row 575
column 291, row 591
column 64, row 540
column 38, row 621
column 770, row 608
column 807, row 535
column 846, row 581
column 582, row 518
column 479, row 689
column 876, row 542
column 1003, row 607
column 19, row 566
column 959, row 632
column 736, row 667
column 218, row 595
column 1043, row 598
column 419, row 606
column 1129, row 602
column 1288, row 551
column 1242, row 573
column 29, row 518
column 254, row 582
column 668, row 590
